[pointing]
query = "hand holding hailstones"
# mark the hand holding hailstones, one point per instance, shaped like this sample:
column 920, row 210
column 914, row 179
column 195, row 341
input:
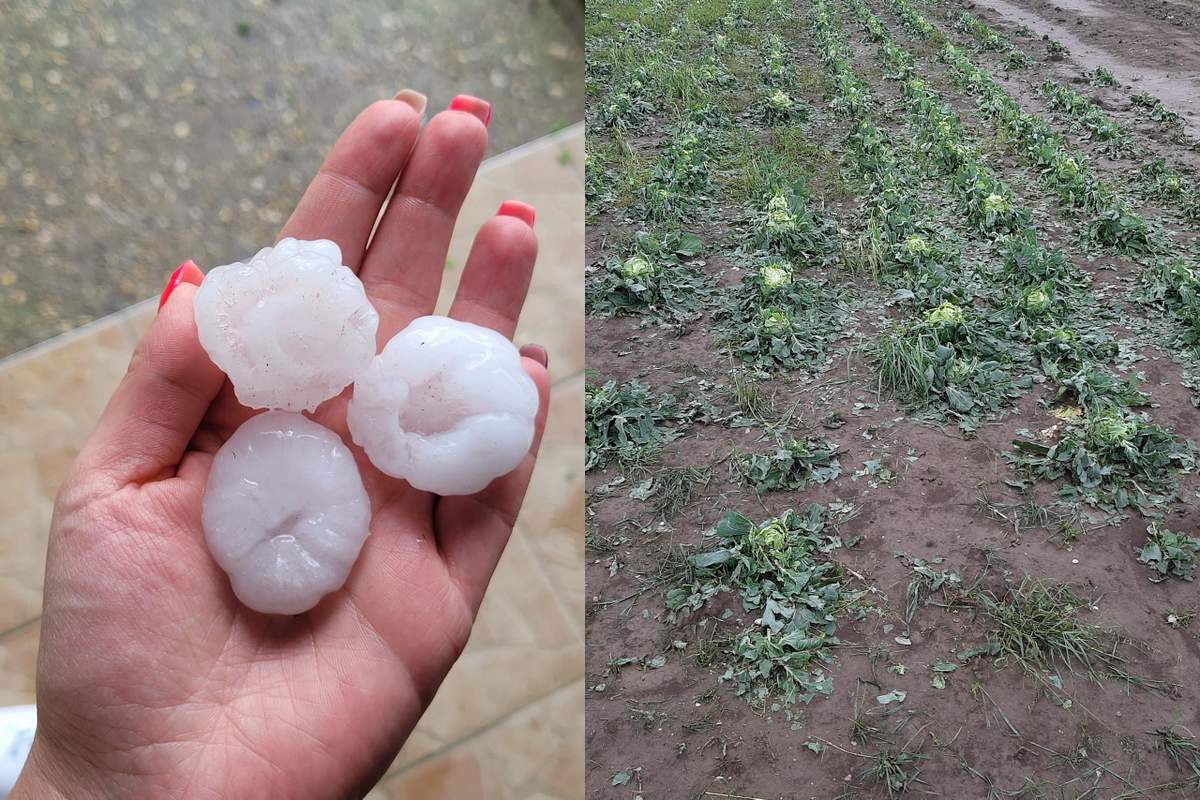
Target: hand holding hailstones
column 446, row 406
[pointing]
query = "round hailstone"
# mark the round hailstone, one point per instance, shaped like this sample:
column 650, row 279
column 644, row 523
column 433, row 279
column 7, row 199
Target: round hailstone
column 291, row 327
column 446, row 406
column 284, row 512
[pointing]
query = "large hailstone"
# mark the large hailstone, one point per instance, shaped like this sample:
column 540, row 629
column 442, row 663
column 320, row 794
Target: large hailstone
column 446, row 406
column 284, row 512
column 291, row 327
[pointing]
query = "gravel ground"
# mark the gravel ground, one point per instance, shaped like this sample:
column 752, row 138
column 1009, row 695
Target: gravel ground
column 137, row 133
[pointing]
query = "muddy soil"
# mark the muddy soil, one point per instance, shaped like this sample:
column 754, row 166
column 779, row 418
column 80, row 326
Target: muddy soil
column 1151, row 45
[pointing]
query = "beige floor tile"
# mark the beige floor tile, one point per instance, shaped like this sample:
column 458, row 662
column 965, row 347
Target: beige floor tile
column 18, row 664
column 540, row 176
column 50, row 399
column 547, row 166
column 552, row 520
column 553, row 315
column 138, row 318
column 522, row 647
column 535, row 753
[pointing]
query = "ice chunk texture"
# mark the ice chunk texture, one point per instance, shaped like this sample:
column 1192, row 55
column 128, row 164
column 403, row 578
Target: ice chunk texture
column 291, row 327
column 284, row 512
column 446, row 406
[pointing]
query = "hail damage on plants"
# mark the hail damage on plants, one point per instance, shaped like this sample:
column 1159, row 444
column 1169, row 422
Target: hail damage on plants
column 878, row 471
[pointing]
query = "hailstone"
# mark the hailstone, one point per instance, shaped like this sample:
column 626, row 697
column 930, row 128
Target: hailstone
column 291, row 327
column 284, row 512
column 446, row 406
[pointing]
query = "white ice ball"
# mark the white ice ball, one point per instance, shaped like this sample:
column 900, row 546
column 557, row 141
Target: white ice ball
column 446, row 406
column 284, row 512
column 291, row 327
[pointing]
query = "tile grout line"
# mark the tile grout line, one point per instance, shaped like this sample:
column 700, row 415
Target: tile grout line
column 20, row 627
column 568, row 378
column 478, row 732
column 536, row 552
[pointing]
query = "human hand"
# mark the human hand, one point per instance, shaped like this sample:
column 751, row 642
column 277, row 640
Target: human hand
column 153, row 680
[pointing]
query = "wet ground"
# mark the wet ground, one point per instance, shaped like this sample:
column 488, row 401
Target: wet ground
column 137, row 133
column 1149, row 45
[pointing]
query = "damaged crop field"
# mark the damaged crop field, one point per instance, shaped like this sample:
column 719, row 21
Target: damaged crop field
column 894, row 365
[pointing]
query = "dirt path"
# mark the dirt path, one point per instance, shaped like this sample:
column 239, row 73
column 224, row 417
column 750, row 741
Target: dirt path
column 1150, row 45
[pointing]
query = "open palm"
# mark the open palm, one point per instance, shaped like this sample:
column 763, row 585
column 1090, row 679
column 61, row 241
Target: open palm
column 153, row 681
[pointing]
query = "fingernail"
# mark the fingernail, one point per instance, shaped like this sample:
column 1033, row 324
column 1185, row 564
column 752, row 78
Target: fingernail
column 515, row 208
column 537, row 353
column 472, row 105
column 413, row 98
column 174, row 281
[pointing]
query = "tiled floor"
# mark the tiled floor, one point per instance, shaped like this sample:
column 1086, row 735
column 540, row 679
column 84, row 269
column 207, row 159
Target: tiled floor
column 508, row 722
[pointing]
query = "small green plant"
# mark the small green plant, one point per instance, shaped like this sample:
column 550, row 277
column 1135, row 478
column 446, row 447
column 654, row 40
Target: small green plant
column 1067, row 356
column 670, row 487
column 1101, row 77
column 779, row 320
column 895, row 770
column 778, row 569
column 753, row 402
column 658, row 280
column 1086, row 116
column 628, row 423
column 1150, row 107
column 1016, row 59
column 1056, row 50
column 988, row 204
column 1116, row 225
column 926, row 581
column 1168, row 553
column 787, row 225
column 1112, row 458
column 1036, row 624
column 919, row 254
column 624, row 111
column 680, row 178
column 1173, row 285
column 778, row 107
column 1160, row 182
column 1182, row 748
column 947, row 366
column 791, row 465
column 1027, row 263
column 774, row 70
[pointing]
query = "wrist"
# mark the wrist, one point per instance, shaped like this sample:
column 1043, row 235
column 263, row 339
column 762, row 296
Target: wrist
column 40, row 780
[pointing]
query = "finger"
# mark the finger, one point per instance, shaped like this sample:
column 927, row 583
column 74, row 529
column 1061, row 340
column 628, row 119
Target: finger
column 404, row 265
column 343, row 200
column 145, row 429
column 187, row 272
column 496, row 278
column 472, row 530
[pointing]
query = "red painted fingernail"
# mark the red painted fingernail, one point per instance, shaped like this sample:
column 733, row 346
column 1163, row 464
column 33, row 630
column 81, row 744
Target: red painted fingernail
column 515, row 208
column 473, row 105
column 537, row 353
column 174, row 281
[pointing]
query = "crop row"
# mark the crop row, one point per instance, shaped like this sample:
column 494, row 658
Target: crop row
column 1051, row 292
column 1168, row 283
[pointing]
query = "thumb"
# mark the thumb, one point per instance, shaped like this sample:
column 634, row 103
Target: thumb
column 145, row 429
